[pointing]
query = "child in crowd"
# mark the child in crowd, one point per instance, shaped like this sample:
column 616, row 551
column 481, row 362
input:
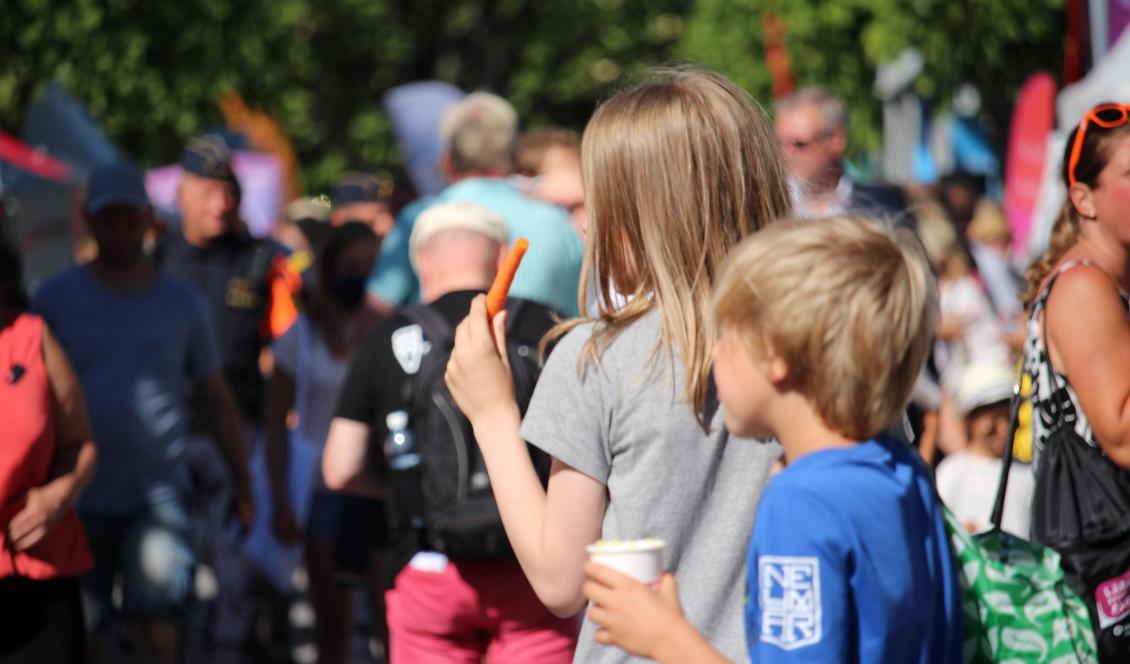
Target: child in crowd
column 967, row 480
column 969, row 330
column 824, row 327
column 677, row 170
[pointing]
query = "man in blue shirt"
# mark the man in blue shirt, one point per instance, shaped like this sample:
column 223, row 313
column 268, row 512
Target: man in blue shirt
column 139, row 340
column 479, row 133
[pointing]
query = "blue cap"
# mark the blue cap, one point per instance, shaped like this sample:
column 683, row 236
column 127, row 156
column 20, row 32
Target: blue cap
column 208, row 156
column 357, row 187
column 117, row 183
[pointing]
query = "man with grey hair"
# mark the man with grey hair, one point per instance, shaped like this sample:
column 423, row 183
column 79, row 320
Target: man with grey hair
column 811, row 125
column 479, row 135
column 458, row 593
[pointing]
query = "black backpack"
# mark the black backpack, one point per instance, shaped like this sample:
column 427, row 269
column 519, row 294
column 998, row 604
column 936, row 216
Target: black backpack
column 459, row 515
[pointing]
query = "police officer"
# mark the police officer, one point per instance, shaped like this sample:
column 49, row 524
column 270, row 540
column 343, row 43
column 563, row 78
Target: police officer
column 235, row 274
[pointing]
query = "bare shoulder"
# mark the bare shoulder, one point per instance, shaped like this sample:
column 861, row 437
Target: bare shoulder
column 1085, row 315
column 1078, row 292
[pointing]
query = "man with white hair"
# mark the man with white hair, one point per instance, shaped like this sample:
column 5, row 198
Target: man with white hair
column 479, row 135
column 811, row 126
column 459, row 593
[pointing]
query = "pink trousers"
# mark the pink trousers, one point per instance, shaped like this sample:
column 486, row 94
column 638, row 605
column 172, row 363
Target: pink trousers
column 465, row 610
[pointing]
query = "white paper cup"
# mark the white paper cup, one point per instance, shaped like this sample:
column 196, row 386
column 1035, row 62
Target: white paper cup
column 640, row 559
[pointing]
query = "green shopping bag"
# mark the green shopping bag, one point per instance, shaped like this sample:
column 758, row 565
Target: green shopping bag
column 1016, row 605
column 1015, row 602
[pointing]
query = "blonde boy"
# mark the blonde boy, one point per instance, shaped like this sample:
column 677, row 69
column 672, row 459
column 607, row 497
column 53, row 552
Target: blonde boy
column 824, row 326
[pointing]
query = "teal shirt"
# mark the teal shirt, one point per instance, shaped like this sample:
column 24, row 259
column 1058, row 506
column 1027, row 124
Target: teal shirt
column 550, row 271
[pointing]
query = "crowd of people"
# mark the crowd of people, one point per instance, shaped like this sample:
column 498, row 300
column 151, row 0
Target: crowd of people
column 717, row 339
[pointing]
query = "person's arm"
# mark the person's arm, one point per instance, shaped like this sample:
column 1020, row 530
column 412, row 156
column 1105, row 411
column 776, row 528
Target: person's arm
column 345, row 460
column 644, row 622
column 75, row 459
column 799, row 596
column 928, row 439
column 1088, row 336
column 547, row 527
column 228, row 431
column 280, row 399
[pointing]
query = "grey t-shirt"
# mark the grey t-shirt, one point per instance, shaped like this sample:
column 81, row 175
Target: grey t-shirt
column 626, row 424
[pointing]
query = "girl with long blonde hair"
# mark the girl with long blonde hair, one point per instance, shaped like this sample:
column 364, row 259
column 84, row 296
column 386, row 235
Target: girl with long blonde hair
column 677, row 170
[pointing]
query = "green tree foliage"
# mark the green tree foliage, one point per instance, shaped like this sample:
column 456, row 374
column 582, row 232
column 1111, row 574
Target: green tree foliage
column 151, row 71
column 993, row 44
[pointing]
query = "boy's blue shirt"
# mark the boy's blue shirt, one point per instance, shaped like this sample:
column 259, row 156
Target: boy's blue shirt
column 850, row 562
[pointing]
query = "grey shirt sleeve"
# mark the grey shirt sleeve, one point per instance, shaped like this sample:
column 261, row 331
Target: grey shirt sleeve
column 568, row 414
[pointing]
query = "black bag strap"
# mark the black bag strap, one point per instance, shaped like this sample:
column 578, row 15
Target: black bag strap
column 437, row 330
column 1006, row 463
column 440, row 333
column 261, row 256
column 514, row 311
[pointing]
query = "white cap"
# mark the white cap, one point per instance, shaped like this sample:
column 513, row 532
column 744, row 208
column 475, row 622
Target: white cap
column 984, row 383
column 396, row 420
column 456, row 216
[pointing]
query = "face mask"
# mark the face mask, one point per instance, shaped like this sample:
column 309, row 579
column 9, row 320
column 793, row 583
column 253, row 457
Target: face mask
column 348, row 291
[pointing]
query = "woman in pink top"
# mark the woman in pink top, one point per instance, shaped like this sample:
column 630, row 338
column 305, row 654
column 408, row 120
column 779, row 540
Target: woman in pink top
column 46, row 458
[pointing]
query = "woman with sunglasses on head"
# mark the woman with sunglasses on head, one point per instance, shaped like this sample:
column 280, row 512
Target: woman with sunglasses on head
column 1078, row 355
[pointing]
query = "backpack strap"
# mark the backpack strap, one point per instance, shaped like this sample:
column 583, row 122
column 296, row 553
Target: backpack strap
column 436, row 328
column 441, row 334
column 260, row 262
column 514, row 314
column 437, row 332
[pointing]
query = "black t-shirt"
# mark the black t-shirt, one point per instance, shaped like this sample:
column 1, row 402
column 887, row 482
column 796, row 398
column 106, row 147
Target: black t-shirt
column 377, row 375
column 232, row 276
column 381, row 366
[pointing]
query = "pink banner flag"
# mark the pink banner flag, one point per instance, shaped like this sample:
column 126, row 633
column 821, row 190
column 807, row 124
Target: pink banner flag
column 1033, row 118
column 1118, row 18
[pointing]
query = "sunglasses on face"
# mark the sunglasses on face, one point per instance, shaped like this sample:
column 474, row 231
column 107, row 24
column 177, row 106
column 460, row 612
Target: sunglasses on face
column 1107, row 116
column 802, row 145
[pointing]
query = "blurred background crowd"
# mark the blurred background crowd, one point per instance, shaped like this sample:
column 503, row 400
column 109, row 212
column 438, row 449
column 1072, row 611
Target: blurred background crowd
column 287, row 149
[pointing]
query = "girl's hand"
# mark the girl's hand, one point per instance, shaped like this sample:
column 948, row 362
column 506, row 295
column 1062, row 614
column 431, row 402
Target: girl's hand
column 478, row 373
column 632, row 615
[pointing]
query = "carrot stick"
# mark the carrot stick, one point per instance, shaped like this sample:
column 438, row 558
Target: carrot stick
column 496, row 297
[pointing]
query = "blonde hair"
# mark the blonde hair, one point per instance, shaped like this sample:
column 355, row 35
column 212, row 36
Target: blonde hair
column 850, row 306
column 989, row 223
column 478, row 132
column 943, row 248
column 1093, row 158
column 533, row 147
column 677, row 170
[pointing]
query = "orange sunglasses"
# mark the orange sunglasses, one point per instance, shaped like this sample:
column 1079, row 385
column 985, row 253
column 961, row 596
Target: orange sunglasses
column 1107, row 116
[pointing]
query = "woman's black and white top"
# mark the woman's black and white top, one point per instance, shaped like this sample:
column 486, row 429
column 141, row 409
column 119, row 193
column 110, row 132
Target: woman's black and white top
column 1054, row 402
